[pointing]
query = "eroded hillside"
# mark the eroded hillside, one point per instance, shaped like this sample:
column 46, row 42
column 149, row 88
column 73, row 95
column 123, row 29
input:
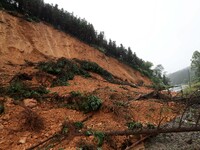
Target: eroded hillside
column 22, row 45
column 21, row 40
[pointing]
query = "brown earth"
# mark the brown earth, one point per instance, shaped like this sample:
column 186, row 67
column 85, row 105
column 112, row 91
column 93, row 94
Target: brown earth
column 21, row 40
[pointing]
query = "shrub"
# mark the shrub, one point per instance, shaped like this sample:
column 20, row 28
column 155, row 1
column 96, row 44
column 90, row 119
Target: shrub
column 134, row 125
column 100, row 136
column 90, row 103
column 63, row 69
column 18, row 90
column 78, row 125
column 75, row 93
column 85, row 103
column 33, row 122
column 94, row 67
column 150, row 126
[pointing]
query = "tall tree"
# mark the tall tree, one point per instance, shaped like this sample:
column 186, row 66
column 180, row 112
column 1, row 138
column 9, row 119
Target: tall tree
column 158, row 71
column 195, row 63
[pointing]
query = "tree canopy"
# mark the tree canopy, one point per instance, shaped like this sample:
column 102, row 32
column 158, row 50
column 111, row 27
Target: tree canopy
column 195, row 64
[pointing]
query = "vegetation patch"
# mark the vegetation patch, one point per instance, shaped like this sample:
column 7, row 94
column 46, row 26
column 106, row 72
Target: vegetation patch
column 65, row 69
column 32, row 121
column 94, row 67
column 151, row 126
column 78, row 125
column 134, row 125
column 19, row 90
column 85, row 103
column 100, row 136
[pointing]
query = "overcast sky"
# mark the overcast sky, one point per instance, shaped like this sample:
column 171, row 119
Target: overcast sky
column 163, row 32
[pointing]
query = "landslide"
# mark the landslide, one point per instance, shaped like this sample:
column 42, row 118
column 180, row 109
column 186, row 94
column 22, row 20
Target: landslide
column 21, row 40
column 22, row 45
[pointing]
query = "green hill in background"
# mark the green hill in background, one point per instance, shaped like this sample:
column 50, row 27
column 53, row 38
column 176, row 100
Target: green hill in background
column 181, row 77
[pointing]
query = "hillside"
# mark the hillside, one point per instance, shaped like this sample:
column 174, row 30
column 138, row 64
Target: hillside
column 21, row 40
column 181, row 76
column 35, row 109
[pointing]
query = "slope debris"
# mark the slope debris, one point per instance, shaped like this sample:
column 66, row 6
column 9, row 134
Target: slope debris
column 58, row 93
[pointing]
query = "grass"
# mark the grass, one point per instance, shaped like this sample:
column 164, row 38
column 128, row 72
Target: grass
column 194, row 87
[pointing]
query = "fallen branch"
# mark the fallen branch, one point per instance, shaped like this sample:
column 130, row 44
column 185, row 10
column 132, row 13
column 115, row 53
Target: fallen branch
column 138, row 142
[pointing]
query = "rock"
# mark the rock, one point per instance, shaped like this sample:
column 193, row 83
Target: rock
column 189, row 141
column 30, row 103
column 6, row 117
column 22, row 140
column 1, row 127
column 46, row 134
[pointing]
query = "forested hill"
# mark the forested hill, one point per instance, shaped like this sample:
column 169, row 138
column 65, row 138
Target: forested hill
column 181, row 76
column 37, row 10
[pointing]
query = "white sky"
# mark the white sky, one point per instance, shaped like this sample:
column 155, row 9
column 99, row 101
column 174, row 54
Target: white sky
column 163, row 32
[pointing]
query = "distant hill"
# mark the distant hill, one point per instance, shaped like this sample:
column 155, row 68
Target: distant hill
column 181, row 76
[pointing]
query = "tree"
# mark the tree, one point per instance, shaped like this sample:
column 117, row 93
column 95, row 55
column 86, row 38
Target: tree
column 158, row 71
column 195, row 63
column 165, row 79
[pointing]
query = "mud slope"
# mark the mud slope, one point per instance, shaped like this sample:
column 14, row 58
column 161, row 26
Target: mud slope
column 21, row 40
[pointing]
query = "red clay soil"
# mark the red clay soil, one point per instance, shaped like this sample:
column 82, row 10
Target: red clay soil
column 21, row 40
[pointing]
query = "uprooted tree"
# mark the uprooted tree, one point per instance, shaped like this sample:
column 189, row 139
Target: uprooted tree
column 135, row 128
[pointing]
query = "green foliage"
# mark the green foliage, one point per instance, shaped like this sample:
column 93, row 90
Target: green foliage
column 158, row 86
column 1, row 6
column 78, row 125
column 195, row 64
column 150, row 126
column 85, row 103
column 100, row 136
column 64, row 129
column 90, row 103
column 63, row 69
column 134, row 125
column 94, row 67
column 18, row 90
column 75, row 93
column 7, row 5
column 88, row 133
column 194, row 87
column 31, row 18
